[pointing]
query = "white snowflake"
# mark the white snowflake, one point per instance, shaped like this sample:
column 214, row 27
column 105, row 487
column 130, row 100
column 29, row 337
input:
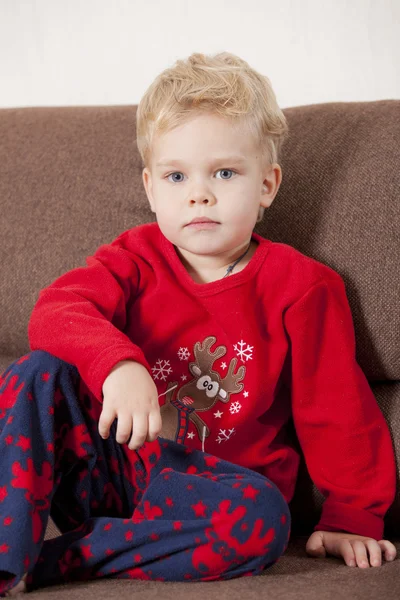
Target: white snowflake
column 245, row 394
column 183, row 353
column 223, row 365
column 223, row 436
column 161, row 369
column 235, row 407
column 244, row 350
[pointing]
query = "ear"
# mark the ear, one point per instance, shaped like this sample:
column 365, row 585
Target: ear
column 146, row 176
column 270, row 185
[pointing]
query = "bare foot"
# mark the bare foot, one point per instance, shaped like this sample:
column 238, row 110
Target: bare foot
column 19, row 588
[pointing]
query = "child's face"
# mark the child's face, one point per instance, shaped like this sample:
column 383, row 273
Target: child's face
column 199, row 178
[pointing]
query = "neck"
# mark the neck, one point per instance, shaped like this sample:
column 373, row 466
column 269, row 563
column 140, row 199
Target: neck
column 206, row 268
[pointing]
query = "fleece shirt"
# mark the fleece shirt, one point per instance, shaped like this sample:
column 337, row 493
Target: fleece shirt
column 234, row 360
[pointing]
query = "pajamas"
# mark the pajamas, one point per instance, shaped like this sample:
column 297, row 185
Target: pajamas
column 163, row 512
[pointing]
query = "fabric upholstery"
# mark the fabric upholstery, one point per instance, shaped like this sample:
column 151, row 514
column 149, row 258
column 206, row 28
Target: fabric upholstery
column 70, row 180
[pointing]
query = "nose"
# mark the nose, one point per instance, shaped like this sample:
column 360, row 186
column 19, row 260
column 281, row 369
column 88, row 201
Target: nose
column 202, row 198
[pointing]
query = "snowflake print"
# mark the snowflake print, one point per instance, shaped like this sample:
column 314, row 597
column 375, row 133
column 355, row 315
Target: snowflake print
column 235, row 407
column 244, row 351
column 183, row 354
column 223, row 436
column 161, row 369
column 245, row 394
column 223, row 365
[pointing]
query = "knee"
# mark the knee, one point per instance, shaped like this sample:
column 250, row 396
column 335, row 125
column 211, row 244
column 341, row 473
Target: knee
column 271, row 521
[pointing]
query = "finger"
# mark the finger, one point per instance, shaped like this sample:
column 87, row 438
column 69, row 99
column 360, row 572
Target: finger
column 375, row 552
column 346, row 550
column 139, row 431
column 360, row 553
column 105, row 421
column 155, row 425
column 124, row 428
column 388, row 549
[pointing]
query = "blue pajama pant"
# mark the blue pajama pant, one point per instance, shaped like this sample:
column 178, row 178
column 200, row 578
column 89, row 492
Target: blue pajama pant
column 163, row 512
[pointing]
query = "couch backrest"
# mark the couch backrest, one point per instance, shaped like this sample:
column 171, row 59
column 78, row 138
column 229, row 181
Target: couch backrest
column 70, row 180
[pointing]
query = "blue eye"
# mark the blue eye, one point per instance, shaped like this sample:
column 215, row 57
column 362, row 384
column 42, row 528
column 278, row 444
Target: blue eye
column 176, row 173
column 179, row 173
column 225, row 171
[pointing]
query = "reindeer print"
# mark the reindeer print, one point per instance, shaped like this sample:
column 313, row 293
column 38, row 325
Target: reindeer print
column 200, row 394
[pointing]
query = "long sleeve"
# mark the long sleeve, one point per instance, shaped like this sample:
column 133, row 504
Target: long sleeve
column 80, row 317
column 343, row 434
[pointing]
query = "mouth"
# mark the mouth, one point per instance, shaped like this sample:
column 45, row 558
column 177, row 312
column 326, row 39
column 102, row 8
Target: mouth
column 202, row 223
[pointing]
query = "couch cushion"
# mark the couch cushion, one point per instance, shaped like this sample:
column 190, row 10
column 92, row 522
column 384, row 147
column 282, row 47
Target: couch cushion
column 70, row 180
column 296, row 576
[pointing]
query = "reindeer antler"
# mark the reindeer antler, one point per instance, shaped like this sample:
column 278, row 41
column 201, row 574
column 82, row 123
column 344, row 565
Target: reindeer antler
column 205, row 358
column 230, row 384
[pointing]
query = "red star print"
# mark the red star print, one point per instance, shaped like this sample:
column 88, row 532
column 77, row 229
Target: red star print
column 128, row 536
column 178, row 525
column 199, row 509
column 154, row 536
column 51, row 410
column 137, row 558
column 9, row 440
column 109, row 551
column 50, row 447
column 211, row 461
column 250, row 492
column 23, row 359
column 114, row 465
column 82, row 474
column 24, row 443
column 283, row 519
column 10, row 419
column 4, row 548
column 8, row 520
column 45, row 376
column 107, row 527
column 169, row 502
column 86, row 552
column 3, row 493
column 58, row 397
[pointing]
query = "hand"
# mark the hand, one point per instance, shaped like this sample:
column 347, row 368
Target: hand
column 353, row 548
column 130, row 395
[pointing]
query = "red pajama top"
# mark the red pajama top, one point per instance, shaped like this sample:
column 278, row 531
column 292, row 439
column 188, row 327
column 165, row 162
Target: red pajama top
column 242, row 355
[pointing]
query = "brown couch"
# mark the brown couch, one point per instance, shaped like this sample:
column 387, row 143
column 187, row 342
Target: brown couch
column 70, row 180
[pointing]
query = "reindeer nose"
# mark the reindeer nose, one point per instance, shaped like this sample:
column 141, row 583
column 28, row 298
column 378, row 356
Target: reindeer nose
column 187, row 400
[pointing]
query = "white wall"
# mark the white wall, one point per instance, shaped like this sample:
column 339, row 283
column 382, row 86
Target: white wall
column 100, row 52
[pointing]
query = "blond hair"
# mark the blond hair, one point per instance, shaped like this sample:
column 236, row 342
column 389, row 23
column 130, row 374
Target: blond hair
column 222, row 83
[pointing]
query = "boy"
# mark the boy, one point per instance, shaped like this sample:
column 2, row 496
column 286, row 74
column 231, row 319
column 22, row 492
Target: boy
column 197, row 330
